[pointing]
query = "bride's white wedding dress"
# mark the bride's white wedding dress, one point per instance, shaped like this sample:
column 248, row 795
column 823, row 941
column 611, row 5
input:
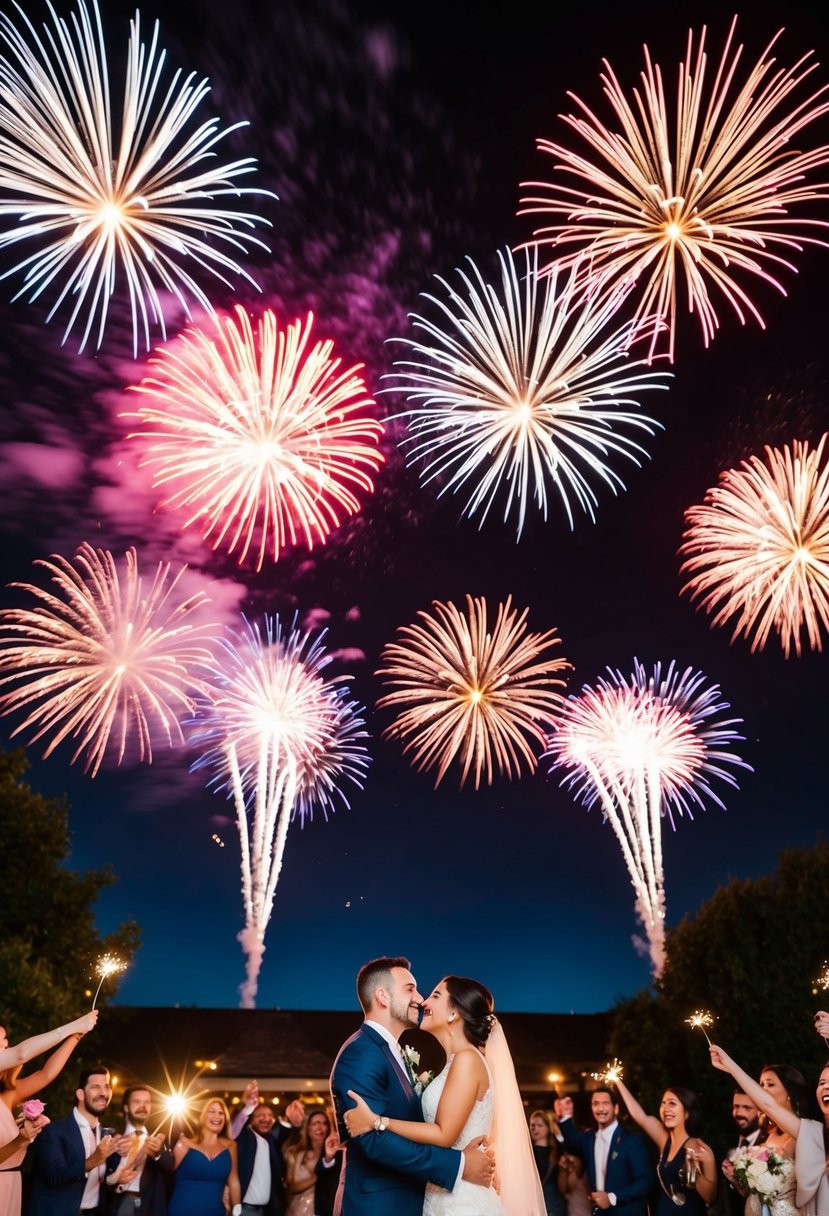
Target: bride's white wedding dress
column 466, row 1199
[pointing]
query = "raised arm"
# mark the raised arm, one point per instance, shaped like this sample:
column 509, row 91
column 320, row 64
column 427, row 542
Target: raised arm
column 453, row 1110
column 785, row 1119
column 27, row 1087
column 650, row 1125
column 21, row 1053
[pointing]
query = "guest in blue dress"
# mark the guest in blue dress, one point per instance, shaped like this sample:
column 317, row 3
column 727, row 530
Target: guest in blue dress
column 206, row 1164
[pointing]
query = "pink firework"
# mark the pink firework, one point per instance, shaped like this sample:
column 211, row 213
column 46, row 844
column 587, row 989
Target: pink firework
column 757, row 549
column 105, row 659
column 644, row 747
column 258, row 434
column 693, row 200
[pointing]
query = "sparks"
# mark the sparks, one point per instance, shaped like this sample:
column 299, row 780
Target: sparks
column 525, row 392
column 699, row 201
column 758, row 548
column 257, row 434
column 140, row 212
column 701, row 1020
column 611, row 1074
column 482, row 697
column 106, row 966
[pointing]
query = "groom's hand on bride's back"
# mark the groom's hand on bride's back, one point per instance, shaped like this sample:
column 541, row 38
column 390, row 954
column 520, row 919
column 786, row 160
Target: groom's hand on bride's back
column 478, row 1162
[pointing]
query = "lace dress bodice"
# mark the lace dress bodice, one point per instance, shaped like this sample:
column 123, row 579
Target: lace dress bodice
column 466, row 1199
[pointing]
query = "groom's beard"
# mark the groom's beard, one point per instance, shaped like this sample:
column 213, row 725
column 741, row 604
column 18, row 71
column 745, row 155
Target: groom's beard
column 404, row 1014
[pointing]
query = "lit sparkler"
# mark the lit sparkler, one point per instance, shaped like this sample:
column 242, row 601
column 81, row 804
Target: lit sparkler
column 643, row 747
column 281, row 740
column 611, row 1074
column 758, row 547
column 107, row 966
column 464, row 692
column 104, row 657
column 701, row 1020
column 821, row 984
column 523, row 392
column 696, row 200
column 144, row 211
column 258, row 434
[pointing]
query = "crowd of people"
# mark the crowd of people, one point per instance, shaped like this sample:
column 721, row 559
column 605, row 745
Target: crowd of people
column 259, row 1165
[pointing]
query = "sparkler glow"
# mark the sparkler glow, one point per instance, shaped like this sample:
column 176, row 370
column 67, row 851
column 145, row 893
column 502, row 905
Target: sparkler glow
column 258, row 433
column 526, row 391
column 611, row 1074
column 102, row 657
column 643, row 747
column 483, row 697
column 107, row 965
column 142, row 210
column 821, row 984
column 701, row 1020
column 703, row 196
column 758, row 547
column 280, row 739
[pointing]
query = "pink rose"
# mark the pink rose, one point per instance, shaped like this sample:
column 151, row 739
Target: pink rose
column 33, row 1108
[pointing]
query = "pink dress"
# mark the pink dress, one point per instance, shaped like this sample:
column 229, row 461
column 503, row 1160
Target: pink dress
column 10, row 1184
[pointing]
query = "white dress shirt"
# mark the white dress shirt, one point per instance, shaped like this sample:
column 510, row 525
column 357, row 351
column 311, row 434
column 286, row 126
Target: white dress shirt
column 90, row 1136
column 601, row 1155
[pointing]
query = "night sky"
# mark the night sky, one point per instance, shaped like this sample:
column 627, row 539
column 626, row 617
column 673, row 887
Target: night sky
column 396, row 136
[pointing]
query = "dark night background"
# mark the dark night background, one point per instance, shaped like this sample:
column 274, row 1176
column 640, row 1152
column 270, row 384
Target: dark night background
column 395, row 136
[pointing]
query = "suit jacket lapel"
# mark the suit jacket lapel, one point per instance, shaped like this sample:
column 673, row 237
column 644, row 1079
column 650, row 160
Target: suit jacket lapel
column 399, row 1071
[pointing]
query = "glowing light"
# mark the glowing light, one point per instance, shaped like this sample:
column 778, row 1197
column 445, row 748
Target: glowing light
column 526, row 391
column 695, row 201
column 104, row 657
column 258, row 434
column 281, row 740
column 107, row 966
column 701, row 1020
column 758, row 547
column 610, row 1074
column 643, row 747
column 143, row 212
column 821, row 982
column 482, row 697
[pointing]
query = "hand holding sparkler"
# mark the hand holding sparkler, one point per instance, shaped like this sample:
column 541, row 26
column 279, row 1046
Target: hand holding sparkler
column 821, row 984
column 701, row 1020
column 107, row 964
column 611, row 1074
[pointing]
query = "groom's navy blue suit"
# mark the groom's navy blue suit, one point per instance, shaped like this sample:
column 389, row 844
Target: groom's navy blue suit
column 384, row 1175
column 628, row 1174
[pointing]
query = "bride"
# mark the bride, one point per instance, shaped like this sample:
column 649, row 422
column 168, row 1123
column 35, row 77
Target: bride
column 476, row 1094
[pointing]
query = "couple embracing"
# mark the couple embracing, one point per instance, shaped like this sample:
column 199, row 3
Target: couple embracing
column 404, row 1159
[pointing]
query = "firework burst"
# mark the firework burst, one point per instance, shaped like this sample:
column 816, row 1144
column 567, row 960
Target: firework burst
column 280, row 739
column 524, row 392
column 102, row 658
column 695, row 202
column 758, row 547
column 483, row 697
column 643, row 747
column 258, row 434
column 138, row 212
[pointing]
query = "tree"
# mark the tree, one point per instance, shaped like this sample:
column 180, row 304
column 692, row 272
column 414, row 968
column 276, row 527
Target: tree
column 48, row 938
column 749, row 956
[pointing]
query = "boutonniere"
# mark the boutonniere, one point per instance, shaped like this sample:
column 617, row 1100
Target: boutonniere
column 419, row 1079
column 613, row 1156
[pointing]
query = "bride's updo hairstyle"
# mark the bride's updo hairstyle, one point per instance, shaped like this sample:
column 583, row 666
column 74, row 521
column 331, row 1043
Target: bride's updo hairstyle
column 474, row 1004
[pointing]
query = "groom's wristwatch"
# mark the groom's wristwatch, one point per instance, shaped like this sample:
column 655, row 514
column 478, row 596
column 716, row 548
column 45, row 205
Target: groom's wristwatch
column 381, row 1123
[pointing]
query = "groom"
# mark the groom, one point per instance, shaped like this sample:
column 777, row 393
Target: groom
column 384, row 1174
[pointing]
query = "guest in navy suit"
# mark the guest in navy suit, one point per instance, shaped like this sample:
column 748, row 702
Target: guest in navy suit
column 385, row 1175
column 72, row 1156
column 618, row 1168
column 143, row 1173
column 259, row 1138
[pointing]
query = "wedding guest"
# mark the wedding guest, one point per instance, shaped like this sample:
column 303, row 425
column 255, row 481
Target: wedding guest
column 746, row 1119
column 543, row 1134
column 616, row 1160
column 205, row 1164
column 572, row 1183
column 72, row 1155
column 139, row 1181
column 329, row 1169
column 687, row 1169
column 301, row 1161
column 811, row 1138
column 14, row 1090
column 259, row 1138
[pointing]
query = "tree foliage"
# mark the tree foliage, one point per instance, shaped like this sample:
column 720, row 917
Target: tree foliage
column 749, row 956
column 48, row 939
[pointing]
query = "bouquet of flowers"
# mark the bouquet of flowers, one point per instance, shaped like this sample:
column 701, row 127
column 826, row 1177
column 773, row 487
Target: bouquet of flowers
column 761, row 1171
column 31, row 1114
column 419, row 1079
